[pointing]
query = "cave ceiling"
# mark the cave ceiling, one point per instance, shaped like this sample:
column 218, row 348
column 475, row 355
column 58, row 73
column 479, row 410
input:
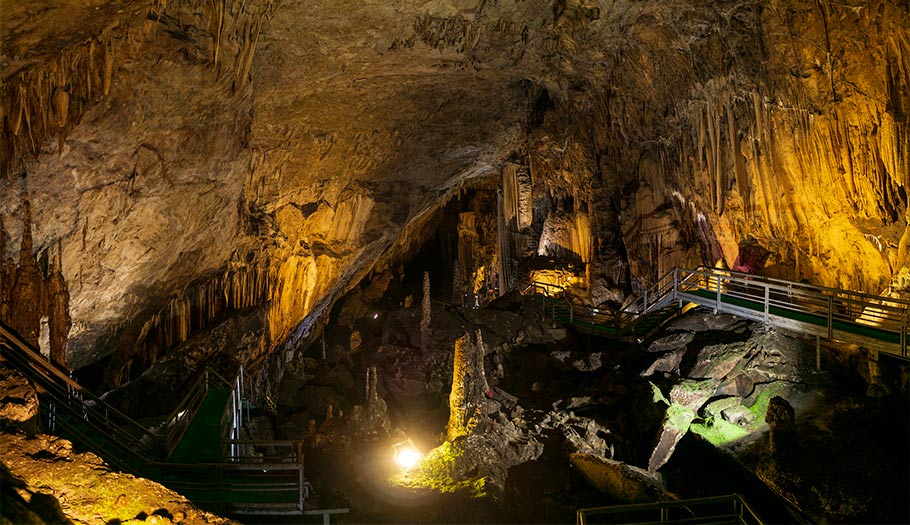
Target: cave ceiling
column 168, row 143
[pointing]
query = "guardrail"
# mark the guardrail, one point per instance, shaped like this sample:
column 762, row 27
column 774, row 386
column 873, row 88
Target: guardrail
column 827, row 312
column 79, row 410
column 254, row 477
column 731, row 509
column 816, row 310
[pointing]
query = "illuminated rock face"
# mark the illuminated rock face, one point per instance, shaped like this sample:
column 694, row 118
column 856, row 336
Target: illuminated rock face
column 194, row 159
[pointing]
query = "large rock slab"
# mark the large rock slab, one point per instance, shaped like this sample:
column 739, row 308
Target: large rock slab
column 621, row 481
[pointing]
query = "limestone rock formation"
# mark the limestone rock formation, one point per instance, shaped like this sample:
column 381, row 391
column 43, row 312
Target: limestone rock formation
column 469, row 386
column 200, row 167
column 781, row 421
column 19, row 404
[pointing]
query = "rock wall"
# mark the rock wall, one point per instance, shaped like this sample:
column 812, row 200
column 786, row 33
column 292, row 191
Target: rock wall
column 717, row 126
column 171, row 148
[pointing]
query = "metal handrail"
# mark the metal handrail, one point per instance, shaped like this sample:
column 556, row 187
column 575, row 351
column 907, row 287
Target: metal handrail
column 839, row 309
column 91, row 410
column 178, row 422
column 739, row 510
column 134, row 448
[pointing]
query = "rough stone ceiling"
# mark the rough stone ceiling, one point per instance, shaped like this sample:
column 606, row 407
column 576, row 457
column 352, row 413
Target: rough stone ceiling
column 167, row 142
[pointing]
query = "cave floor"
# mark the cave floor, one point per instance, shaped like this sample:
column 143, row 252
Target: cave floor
column 548, row 489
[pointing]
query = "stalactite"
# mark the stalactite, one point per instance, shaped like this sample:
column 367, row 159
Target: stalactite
column 244, row 60
column 108, row 68
column 503, row 238
column 200, row 305
column 216, row 27
column 49, row 98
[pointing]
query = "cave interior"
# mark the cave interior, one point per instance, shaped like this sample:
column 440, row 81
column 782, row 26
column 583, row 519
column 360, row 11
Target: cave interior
column 435, row 247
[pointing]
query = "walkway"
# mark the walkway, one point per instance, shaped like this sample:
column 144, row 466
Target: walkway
column 877, row 322
column 197, row 454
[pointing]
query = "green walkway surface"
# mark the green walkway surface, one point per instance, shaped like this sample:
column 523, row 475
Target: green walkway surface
column 560, row 312
column 871, row 332
column 202, row 441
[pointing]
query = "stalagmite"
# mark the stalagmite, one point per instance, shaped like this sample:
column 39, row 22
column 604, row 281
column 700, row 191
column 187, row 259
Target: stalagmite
column 425, row 313
column 469, row 385
column 25, row 316
column 58, row 299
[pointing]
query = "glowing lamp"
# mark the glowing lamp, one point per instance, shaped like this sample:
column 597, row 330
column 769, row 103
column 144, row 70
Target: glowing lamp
column 406, row 456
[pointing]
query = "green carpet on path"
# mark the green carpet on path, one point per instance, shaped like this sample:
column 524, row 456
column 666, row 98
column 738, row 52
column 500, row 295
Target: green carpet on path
column 202, row 441
column 818, row 320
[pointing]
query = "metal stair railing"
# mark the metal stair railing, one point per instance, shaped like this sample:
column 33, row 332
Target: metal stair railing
column 178, row 422
column 731, row 509
column 818, row 310
column 271, row 482
column 83, row 413
column 574, row 313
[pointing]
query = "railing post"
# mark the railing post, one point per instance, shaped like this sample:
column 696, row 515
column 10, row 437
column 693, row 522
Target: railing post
column 830, row 317
column 645, row 309
column 767, row 303
column 904, row 332
column 300, row 480
column 717, row 299
column 818, row 353
column 675, row 282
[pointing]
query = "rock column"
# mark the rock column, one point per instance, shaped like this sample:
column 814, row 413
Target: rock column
column 58, row 304
column 426, row 310
column 781, row 419
column 26, row 297
column 468, row 386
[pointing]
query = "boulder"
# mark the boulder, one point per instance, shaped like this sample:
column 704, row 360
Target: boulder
column 671, row 342
column 668, row 363
column 621, row 481
column 18, row 402
column 781, row 419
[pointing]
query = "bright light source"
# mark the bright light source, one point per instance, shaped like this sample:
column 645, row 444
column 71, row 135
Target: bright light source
column 406, row 456
column 375, row 316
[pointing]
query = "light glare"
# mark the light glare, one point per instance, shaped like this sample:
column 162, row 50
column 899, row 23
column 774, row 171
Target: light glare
column 407, row 457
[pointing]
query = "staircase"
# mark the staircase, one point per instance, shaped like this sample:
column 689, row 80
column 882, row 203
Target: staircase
column 198, row 452
column 877, row 322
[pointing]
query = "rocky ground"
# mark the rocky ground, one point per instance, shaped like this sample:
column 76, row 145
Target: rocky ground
column 559, row 397
column 564, row 421
column 43, row 480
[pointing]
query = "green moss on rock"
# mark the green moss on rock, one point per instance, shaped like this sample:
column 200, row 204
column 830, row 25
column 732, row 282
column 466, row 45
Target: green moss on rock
column 438, row 471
